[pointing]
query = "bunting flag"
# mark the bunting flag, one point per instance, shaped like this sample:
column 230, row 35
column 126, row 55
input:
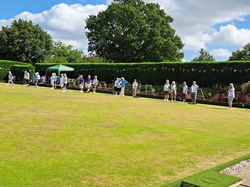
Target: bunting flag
column 169, row 69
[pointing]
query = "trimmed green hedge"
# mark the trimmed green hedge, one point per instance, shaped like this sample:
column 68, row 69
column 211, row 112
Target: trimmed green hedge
column 18, row 71
column 6, row 65
column 205, row 73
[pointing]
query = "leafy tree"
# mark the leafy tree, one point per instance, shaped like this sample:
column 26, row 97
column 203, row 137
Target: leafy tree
column 24, row 41
column 132, row 31
column 204, row 56
column 243, row 54
column 62, row 53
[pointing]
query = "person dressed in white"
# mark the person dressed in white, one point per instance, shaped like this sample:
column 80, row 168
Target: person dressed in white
column 61, row 81
column 166, row 89
column 65, row 82
column 173, row 91
column 134, row 87
column 95, row 83
column 38, row 78
column 10, row 78
column 52, row 80
column 184, row 91
column 194, row 89
column 231, row 95
column 27, row 78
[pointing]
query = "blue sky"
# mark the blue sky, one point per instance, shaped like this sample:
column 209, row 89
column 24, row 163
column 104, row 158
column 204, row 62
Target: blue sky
column 220, row 27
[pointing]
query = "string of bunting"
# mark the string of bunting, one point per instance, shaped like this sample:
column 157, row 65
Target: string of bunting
column 8, row 69
column 169, row 69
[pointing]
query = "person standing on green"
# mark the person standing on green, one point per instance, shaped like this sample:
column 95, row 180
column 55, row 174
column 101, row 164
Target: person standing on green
column 231, row 95
column 123, row 84
column 27, row 77
column 194, row 89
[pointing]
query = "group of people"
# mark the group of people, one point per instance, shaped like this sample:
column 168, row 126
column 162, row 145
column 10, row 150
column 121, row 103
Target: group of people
column 63, row 80
column 119, row 86
column 88, row 83
column 170, row 90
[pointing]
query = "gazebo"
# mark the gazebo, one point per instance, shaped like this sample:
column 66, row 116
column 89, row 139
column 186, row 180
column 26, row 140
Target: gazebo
column 59, row 68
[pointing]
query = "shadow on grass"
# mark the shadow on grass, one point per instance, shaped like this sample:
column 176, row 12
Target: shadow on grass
column 219, row 108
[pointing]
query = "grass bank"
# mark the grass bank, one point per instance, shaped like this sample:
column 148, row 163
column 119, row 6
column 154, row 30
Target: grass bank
column 51, row 138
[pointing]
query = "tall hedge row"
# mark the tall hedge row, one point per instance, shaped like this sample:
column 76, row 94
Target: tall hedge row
column 6, row 65
column 205, row 73
column 18, row 71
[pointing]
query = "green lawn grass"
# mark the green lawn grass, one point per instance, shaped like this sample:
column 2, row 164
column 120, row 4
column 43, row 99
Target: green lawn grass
column 51, row 138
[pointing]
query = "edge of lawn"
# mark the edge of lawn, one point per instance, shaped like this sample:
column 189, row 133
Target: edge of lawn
column 211, row 177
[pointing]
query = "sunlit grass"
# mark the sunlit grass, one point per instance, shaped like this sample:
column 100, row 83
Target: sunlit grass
column 51, row 138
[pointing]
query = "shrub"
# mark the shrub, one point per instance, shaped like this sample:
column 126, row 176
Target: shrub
column 5, row 66
column 18, row 71
column 245, row 87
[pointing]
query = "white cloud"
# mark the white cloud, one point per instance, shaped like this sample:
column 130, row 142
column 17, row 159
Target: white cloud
column 231, row 35
column 195, row 19
column 193, row 43
column 63, row 22
column 5, row 22
column 221, row 53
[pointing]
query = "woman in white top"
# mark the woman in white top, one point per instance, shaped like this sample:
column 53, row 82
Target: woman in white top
column 134, row 87
column 10, row 78
column 231, row 95
column 173, row 91
column 65, row 82
column 95, row 83
column 61, row 81
column 27, row 78
column 184, row 91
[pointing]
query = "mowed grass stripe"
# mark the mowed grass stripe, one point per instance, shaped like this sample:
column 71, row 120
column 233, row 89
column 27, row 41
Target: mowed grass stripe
column 51, row 138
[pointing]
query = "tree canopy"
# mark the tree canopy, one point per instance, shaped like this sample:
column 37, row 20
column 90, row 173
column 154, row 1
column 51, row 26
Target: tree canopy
column 132, row 31
column 24, row 41
column 204, row 56
column 62, row 53
column 241, row 54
